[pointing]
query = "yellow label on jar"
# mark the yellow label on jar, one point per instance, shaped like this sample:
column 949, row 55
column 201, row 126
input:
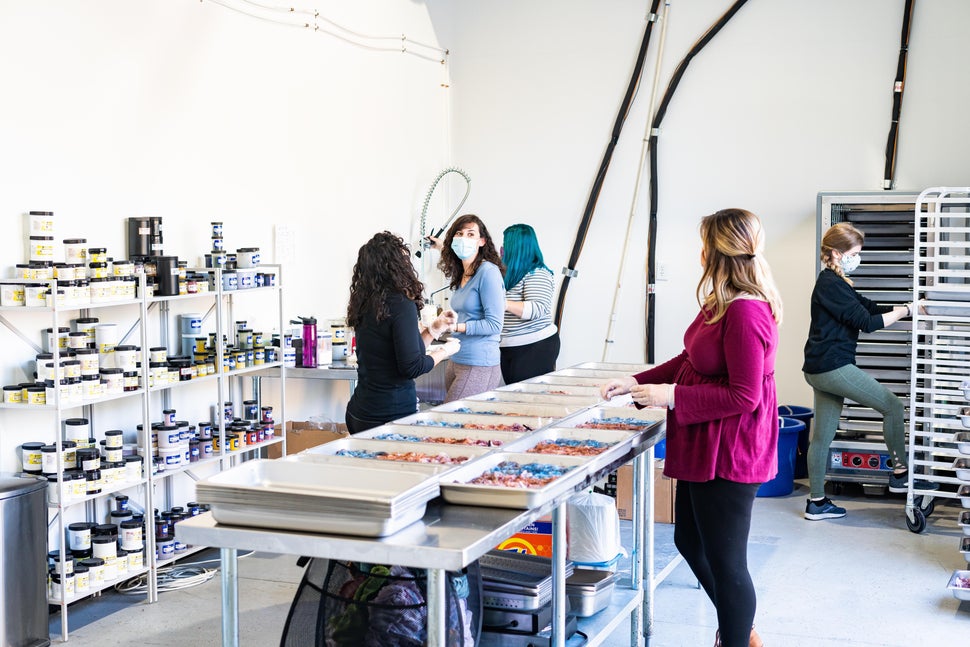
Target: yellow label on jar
column 36, row 397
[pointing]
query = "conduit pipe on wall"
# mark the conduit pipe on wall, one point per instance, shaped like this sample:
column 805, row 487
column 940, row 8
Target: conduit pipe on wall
column 570, row 270
column 658, row 119
column 636, row 185
column 889, row 178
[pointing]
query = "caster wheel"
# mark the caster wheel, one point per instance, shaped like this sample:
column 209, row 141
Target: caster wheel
column 926, row 504
column 918, row 523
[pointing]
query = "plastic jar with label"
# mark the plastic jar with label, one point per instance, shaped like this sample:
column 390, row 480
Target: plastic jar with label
column 95, row 571
column 246, row 278
column 76, row 250
column 35, row 295
column 89, row 459
column 133, row 468
column 12, row 295
column 31, row 457
column 77, row 429
column 40, row 249
column 61, row 587
column 97, row 255
column 126, row 357
column 158, row 354
column 89, row 360
column 79, row 535
column 112, row 381
column 58, row 566
column 91, row 387
column 40, row 223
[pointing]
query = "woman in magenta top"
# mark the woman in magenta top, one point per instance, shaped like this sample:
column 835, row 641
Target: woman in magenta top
column 722, row 419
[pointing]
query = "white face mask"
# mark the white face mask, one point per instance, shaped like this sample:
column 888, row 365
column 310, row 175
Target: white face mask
column 850, row 264
column 464, row 248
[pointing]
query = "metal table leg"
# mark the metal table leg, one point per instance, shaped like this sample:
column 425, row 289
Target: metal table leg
column 559, row 576
column 230, row 597
column 437, row 615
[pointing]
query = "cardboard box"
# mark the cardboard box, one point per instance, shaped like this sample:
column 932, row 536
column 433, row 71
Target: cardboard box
column 534, row 539
column 302, row 435
column 664, row 492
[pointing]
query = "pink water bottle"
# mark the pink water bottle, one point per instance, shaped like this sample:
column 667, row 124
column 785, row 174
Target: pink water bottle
column 309, row 356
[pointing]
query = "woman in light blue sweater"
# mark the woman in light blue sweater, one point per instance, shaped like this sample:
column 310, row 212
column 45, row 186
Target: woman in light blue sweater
column 472, row 265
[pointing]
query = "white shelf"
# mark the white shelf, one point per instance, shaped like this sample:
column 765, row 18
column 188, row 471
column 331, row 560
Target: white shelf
column 115, row 487
column 97, row 589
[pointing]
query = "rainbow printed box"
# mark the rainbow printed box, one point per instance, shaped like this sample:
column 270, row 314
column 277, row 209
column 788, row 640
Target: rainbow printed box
column 534, row 539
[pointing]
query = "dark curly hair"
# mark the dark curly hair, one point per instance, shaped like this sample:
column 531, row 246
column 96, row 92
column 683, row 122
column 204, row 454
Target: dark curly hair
column 452, row 266
column 383, row 268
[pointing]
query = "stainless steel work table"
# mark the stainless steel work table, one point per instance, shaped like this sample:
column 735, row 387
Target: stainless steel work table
column 448, row 538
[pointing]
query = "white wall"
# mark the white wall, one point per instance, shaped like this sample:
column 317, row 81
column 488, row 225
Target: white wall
column 193, row 112
column 791, row 98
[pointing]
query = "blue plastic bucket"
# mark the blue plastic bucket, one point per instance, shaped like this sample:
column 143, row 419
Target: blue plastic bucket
column 805, row 415
column 784, row 482
column 660, row 449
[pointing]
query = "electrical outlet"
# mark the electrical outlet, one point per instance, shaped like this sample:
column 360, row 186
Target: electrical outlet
column 662, row 270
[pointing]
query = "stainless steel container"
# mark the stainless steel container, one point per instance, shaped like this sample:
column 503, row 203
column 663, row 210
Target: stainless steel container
column 23, row 562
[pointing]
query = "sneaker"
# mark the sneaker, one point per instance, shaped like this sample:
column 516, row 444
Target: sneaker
column 824, row 509
column 899, row 483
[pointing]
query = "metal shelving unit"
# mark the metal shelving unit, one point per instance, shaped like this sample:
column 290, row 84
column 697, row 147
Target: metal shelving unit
column 940, row 399
column 151, row 489
column 859, row 454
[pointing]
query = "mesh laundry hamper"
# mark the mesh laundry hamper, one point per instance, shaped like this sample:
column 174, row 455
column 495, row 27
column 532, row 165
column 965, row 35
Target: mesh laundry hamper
column 348, row 604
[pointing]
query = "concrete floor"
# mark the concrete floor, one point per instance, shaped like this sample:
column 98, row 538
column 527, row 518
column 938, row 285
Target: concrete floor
column 861, row 581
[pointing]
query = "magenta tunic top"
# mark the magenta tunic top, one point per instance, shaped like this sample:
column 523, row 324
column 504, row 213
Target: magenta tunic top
column 725, row 417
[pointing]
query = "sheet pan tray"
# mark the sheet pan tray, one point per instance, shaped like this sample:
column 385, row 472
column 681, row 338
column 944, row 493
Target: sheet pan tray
column 603, row 374
column 620, row 443
column 613, row 366
column 649, row 418
column 444, row 419
column 456, row 489
column 343, row 524
column 457, row 453
column 492, row 437
column 550, row 411
column 572, row 403
column 560, row 390
column 595, row 381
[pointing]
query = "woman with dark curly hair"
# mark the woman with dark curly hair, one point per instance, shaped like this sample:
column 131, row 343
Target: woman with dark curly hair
column 472, row 265
column 385, row 301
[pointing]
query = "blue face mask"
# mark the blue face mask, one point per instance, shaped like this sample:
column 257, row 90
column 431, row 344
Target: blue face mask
column 464, row 248
column 850, row 264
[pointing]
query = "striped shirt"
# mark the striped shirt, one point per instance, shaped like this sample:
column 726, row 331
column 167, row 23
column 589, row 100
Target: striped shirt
column 535, row 291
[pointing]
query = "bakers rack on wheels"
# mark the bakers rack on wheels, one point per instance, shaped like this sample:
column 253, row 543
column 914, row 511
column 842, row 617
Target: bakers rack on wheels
column 939, row 442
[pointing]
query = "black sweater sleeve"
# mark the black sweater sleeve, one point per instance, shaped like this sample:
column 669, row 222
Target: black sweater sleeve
column 409, row 351
column 847, row 306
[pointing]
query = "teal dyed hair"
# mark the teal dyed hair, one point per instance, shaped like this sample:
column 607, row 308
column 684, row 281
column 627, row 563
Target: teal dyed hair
column 520, row 253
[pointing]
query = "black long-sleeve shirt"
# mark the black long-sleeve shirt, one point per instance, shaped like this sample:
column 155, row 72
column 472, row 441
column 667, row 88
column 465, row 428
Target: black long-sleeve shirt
column 390, row 355
column 838, row 314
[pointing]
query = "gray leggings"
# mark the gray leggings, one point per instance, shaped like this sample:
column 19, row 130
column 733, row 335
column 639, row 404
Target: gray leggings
column 831, row 389
column 463, row 380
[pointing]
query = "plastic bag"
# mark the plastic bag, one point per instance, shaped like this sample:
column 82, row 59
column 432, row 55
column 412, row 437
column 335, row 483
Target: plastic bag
column 593, row 529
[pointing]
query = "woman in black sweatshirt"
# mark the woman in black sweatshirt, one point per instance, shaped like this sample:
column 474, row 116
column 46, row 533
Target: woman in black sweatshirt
column 385, row 303
column 838, row 314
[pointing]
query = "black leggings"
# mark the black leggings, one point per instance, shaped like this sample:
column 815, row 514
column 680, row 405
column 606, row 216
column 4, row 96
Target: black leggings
column 524, row 362
column 711, row 532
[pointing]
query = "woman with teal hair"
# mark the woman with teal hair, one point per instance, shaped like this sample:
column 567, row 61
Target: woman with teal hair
column 530, row 340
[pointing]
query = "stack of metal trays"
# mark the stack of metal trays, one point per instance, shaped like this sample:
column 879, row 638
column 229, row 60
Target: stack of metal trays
column 433, row 420
column 456, row 485
column 516, row 581
column 442, row 435
column 297, row 495
column 430, row 458
column 589, row 591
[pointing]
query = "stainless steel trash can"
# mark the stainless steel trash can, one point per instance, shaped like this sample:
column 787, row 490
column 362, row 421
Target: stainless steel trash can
column 23, row 561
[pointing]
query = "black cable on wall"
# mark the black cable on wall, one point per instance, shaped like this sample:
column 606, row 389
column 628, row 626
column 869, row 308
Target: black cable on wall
column 889, row 177
column 654, row 183
column 570, row 270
